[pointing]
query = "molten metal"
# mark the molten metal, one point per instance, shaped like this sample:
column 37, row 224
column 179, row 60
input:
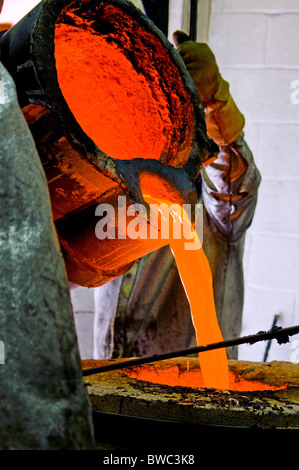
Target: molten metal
column 114, row 87
column 110, row 88
column 194, row 378
column 196, row 277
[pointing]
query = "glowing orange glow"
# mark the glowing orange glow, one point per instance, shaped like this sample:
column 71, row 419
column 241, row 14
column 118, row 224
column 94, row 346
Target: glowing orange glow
column 194, row 379
column 182, row 375
column 196, row 277
column 119, row 113
column 116, row 93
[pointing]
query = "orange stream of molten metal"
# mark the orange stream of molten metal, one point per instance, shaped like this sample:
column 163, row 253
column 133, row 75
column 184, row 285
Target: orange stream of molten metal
column 196, row 277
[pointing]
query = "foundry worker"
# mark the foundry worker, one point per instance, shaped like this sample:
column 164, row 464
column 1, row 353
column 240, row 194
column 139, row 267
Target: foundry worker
column 149, row 310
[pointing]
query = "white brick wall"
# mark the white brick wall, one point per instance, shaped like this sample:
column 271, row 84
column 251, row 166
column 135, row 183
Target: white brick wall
column 269, row 6
column 256, row 43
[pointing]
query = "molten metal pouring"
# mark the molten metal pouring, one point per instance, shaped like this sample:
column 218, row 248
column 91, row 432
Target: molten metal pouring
column 196, row 277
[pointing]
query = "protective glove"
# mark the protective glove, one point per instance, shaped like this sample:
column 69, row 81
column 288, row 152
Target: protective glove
column 223, row 119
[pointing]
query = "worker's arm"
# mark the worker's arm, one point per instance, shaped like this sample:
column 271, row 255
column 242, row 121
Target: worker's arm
column 230, row 183
column 229, row 190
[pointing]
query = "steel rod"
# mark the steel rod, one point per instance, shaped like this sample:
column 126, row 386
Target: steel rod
column 281, row 334
column 193, row 19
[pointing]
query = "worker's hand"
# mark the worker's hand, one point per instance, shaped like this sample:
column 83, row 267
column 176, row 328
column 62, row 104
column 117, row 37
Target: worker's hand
column 224, row 120
column 201, row 64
